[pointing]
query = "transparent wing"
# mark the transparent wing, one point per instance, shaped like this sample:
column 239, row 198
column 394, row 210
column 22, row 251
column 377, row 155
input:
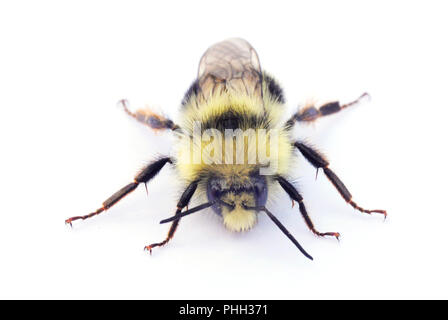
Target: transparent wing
column 230, row 65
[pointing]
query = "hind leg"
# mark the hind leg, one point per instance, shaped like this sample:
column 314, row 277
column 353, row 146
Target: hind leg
column 311, row 113
column 149, row 118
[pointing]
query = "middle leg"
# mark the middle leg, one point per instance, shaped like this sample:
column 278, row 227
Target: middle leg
column 144, row 176
column 318, row 161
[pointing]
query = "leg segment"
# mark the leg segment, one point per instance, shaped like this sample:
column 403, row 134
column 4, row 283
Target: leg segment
column 311, row 113
column 149, row 118
column 319, row 161
column 149, row 172
column 295, row 196
column 183, row 202
column 170, row 235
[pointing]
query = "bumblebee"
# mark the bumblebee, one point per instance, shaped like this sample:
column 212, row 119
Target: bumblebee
column 233, row 148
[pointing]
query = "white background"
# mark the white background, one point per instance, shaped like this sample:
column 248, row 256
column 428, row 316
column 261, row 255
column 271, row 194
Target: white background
column 66, row 147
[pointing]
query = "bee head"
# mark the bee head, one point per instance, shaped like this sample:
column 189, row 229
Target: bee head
column 233, row 195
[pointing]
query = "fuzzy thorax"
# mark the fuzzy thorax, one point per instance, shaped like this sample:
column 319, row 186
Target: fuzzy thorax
column 234, row 159
column 208, row 153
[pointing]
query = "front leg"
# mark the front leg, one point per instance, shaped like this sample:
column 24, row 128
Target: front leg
column 317, row 160
column 183, row 202
column 295, row 196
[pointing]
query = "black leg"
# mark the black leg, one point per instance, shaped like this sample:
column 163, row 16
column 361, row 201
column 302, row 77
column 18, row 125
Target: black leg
column 317, row 160
column 295, row 196
column 311, row 113
column 149, row 172
column 183, row 202
column 149, row 118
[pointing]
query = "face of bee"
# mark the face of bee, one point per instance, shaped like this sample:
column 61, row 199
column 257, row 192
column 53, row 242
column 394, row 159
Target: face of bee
column 234, row 196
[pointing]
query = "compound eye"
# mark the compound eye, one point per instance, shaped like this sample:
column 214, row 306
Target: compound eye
column 260, row 191
column 259, row 188
column 215, row 191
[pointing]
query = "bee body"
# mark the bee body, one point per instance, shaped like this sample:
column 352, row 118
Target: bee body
column 232, row 93
column 234, row 149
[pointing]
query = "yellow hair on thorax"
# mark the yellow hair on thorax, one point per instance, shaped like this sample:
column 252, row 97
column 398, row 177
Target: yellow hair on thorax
column 202, row 110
